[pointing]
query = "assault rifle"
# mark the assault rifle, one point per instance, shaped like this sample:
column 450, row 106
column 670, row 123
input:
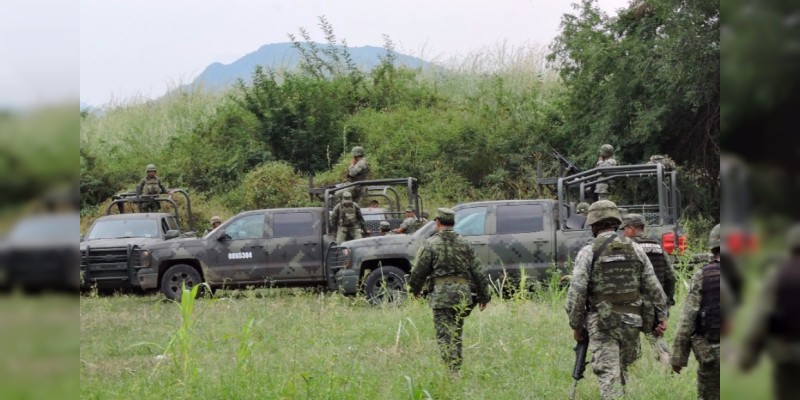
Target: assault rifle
column 580, row 360
column 567, row 166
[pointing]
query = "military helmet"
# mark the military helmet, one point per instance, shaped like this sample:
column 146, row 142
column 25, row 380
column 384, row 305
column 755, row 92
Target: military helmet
column 216, row 219
column 713, row 238
column 793, row 238
column 582, row 207
column 357, row 151
column 606, row 150
column 410, row 208
column 150, row 167
column 602, row 210
column 634, row 220
column 347, row 197
column 385, row 225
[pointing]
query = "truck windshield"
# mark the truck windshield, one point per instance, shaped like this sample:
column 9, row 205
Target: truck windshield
column 123, row 228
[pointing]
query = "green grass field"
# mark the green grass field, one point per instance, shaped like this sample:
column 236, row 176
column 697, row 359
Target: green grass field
column 287, row 344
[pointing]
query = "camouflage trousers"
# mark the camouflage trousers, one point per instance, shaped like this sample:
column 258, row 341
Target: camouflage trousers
column 449, row 325
column 707, row 356
column 149, row 206
column 345, row 233
column 785, row 383
column 612, row 353
column 660, row 347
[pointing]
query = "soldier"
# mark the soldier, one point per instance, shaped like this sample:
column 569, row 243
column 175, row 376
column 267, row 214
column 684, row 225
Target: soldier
column 410, row 224
column 385, row 228
column 347, row 221
column 357, row 171
column 606, row 159
column 215, row 222
column 455, row 273
column 582, row 209
column 150, row 185
column 633, row 226
column 612, row 276
column 776, row 326
column 424, row 219
column 699, row 325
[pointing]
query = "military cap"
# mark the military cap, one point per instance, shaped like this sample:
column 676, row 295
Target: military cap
column 635, row 220
column 357, row 151
column 446, row 216
column 215, row 219
column 714, row 238
column 601, row 210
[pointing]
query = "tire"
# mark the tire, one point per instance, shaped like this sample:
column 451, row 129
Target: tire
column 171, row 281
column 385, row 284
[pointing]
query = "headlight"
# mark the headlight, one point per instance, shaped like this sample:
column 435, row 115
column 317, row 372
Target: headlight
column 144, row 260
column 346, row 257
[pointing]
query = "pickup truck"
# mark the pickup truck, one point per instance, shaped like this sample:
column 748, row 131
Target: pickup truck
column 110, row 248
column 514, row 235
column 272, row 247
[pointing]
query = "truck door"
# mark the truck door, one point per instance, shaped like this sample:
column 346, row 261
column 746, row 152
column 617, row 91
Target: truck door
column 522, row 240
column 471, row 223
column 295, row 247
column 241, row 256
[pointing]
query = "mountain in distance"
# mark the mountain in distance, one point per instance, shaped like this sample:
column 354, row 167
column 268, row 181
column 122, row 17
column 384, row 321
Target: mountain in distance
column 279, row 56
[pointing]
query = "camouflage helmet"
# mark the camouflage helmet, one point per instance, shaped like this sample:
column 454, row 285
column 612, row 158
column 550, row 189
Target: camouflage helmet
column 582, row 208
column 634, row 220
column 150, row 167
column 606, row 150
column 410, row 208
column 385, row 225
column 347, row 197
column 602, row 210
column 216, row 219
column 793, row 238
column 713, row 238
column 357, row 151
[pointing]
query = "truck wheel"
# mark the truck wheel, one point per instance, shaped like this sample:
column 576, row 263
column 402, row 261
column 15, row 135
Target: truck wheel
column 385, row 284
column 174, row 277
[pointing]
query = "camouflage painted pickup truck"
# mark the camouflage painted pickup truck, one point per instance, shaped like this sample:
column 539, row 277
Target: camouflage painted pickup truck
column 514, row 235
column 267, row 248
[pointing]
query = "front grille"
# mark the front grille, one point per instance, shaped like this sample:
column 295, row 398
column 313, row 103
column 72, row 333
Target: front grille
column 105, row 259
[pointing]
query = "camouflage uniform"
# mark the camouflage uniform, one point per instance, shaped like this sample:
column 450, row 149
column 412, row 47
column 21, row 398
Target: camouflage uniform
column 215, row 222
column 358, row 171
column 410, row 224
column 606, row 159
column 699, row 327
column 347, row 221
column 150, row 186
column 664, row 272
column 455, row 271
column 609, row 299
column 776, row 325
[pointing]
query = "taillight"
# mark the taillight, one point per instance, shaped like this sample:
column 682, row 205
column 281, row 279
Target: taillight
column 740, row 242
column 668, row 242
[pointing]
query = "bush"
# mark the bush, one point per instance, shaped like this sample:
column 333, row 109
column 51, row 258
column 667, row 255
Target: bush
column 271, row 185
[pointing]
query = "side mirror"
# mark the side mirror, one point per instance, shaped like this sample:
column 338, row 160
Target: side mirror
column 221, row 235
column 171, row 234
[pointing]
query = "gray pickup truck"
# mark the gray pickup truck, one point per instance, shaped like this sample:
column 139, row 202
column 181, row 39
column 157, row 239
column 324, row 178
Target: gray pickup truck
column 111, row 247
column 285, row 247
column 514, row 235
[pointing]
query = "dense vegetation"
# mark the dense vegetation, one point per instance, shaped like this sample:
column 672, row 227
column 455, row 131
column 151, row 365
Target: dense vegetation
column 646, row 81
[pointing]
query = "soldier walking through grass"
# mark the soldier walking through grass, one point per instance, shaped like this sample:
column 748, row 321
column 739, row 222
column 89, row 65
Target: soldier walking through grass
column 633, row 226
column 699, row 325
column 611, row 278
column 455, row 272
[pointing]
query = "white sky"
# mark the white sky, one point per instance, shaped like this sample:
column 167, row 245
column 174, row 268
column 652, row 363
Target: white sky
column 143, row 47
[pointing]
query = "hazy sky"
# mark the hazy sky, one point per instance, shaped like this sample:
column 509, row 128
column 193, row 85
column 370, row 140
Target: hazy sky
column 141, row 48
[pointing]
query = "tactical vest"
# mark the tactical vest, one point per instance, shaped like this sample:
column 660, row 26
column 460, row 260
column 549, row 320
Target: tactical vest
column 708, row 319
column 784, row 321
column 152, row 186
column 616, row 274
column 655, row 253
column 347, row 216
column 361, row 176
